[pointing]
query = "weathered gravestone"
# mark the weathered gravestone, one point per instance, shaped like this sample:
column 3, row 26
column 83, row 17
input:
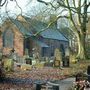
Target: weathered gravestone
column 88, row 73
column 57, row 58
column 67, row 52
column 66, row 60
column 27, row 57
column 36, row 55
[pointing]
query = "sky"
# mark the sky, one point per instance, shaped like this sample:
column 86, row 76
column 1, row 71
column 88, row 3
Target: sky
column 14, row 8
column 27, row 7
column 24, row 4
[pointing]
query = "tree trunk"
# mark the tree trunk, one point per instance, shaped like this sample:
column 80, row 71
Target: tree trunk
column 81, row 47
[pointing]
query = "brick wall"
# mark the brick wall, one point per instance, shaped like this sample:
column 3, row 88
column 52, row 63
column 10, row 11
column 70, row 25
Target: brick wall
column 18, row 39
column 18, row 42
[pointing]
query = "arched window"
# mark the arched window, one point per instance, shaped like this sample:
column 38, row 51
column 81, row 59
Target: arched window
column 8, row 38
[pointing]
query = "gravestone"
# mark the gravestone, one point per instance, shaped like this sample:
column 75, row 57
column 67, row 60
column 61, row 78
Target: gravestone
column 37, row 58
column 27, row 57
column 66, row 60
column 88, row 72
column 26, row 52
column 36, row 55
column 57, row 58
column 67, row 52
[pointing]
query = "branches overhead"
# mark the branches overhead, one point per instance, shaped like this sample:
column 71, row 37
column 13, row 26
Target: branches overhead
column 50, row 24
column 73, row 7
column 8, row 11
column 43, row 2
column 18, row 6
column 2, row 2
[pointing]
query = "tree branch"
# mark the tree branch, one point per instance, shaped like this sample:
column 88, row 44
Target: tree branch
column 43, row 2
column 71, row 17
column 18, row 6
column 74, row 3
column 88, row 5
column 2, row 3
column 50, row 24
column 79, row 12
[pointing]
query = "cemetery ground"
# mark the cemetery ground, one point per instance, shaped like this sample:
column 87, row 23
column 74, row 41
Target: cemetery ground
column 22, row 79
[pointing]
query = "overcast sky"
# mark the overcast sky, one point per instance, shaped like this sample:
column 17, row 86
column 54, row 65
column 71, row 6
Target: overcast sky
column 26, row 5
column 14, row 8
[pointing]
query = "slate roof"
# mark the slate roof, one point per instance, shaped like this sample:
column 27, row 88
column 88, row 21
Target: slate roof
column 36, row 26
column 51, row 32
column 28, row 33
column 21, row 28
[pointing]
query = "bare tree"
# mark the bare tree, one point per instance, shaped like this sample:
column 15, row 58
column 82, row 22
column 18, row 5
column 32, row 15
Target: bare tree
column 77, row 13
column 78, row 16
column 2, row 2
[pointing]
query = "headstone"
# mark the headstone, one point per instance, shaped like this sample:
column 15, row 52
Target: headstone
column 28, row 61
column 27, row 57
column 37, row 58
column 88, row 72
column 57, row 54
column 26, row 52
column 36, row 55
column 57, row 58
column 67, row 52
column 66, row 59
column 47, row 60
